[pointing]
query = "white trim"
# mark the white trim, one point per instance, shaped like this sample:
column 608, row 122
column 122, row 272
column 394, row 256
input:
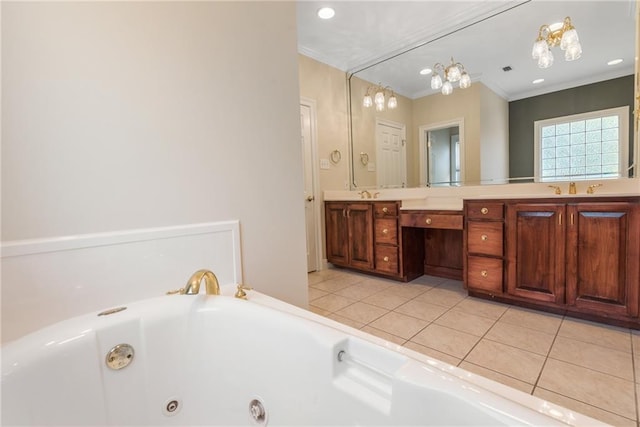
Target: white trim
column 422, row 132
column 311, row 103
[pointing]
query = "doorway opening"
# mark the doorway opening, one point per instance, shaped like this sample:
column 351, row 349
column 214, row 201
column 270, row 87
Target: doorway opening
column 442, row 154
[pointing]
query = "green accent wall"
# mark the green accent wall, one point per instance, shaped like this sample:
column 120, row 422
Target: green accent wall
column 524, row 112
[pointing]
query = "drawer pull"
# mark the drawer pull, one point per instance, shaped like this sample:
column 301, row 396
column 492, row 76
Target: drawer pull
column 484, row 237
column 385, row 259
column 385, row 209
column 385, row 231
column 484, row 273
column 484, row 211
column 428, row 221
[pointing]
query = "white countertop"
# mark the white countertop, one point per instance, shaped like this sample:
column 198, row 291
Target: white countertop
column 451, row 198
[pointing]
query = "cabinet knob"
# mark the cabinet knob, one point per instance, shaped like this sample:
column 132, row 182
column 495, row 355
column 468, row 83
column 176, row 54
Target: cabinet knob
column 428, row 221
column 484, row 211
column 385, row 231
column 385, row 209
column 385, row 259
column 484, row 273
column 484, row 237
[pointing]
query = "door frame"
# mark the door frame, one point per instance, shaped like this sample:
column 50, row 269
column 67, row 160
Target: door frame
column 422, row 145
column 315, row 178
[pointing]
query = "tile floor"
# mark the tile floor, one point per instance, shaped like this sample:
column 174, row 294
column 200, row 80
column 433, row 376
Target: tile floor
column 588, row 367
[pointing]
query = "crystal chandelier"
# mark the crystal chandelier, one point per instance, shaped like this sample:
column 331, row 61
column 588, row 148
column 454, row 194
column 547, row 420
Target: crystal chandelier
column 455, row 72
column 563, row 34
column 379, row 97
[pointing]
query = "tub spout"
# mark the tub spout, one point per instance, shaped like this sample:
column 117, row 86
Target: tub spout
column 210, row 282
column 193, row 285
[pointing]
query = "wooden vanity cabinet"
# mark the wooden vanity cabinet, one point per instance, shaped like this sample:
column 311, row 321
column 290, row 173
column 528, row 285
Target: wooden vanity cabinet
column 575, row 256
column 484, row 247
column 349, row 234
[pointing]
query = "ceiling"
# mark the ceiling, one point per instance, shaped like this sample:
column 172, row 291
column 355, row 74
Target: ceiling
column 484, row 36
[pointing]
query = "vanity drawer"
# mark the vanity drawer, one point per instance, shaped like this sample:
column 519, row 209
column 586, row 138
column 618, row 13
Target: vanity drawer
column 484, row 274
column 428, row 220
column 485, row 238
column 483, row 210
column 382, row 210
column 386, row 231
column 387, row 259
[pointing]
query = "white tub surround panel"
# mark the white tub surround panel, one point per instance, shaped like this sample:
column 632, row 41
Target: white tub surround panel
column 48, row 280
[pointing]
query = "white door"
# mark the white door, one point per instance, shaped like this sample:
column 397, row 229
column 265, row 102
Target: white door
column 391, row 155
column 307, row 123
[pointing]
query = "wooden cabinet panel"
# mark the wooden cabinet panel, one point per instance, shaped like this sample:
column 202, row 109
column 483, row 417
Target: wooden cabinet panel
column 485, row 274
column 535, row 252
column 485, row 238
column 387, row 259
column 360, row 243
column 482, row 210
column 431, row 220
column 602, row 272
column 336, row 233
column 386, row 231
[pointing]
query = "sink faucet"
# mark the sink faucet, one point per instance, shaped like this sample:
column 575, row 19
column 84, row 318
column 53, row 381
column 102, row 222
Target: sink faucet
column 193, row 285
column 364, row 194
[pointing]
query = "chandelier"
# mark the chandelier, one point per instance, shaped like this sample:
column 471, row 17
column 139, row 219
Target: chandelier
column 455, row 72
column 563, row 34
column 379, row 97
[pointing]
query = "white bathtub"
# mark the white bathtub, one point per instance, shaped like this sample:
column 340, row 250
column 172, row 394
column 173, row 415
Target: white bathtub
column 203, row 360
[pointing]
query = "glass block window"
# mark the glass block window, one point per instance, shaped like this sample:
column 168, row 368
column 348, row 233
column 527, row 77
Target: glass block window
column 584, row 146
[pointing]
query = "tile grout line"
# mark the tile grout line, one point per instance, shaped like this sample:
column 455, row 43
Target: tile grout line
column 555, row 337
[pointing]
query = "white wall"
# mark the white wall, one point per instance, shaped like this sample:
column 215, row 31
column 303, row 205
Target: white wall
column 119, row 115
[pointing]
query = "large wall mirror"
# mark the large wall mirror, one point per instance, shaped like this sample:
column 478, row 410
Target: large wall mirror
column 485, row 134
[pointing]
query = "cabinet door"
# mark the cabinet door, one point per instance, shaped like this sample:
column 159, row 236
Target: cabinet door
column 535, row 251
column 360, row 219
column 602, row 257
column 337, row 233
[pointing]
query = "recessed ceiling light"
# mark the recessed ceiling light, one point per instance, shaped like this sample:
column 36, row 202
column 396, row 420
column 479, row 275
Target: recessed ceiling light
column 536, row 81
column 326, row 12
column 425, row 71
column 614, row 62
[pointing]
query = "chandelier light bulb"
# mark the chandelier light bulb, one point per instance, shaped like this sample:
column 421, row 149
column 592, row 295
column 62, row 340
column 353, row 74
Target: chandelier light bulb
column 573, row 52
column 379, row 97
column 393, row 102
column 465, row 81
column 569, row 38
column 380, row 106
column 367, row 101
column 436, row 81
column 561, row 33
column 539, row 49
column 447, row 88
column 546, row 60
column 453, row 73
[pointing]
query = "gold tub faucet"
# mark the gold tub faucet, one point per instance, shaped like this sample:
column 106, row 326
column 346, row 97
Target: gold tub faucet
column 193, row 285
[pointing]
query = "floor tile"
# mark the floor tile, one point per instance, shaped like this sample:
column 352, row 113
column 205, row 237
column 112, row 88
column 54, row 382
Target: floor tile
column 465, row 322
column 488, row 309
column 514, row 362
column 345, row 320
column 314, row 278
column 594, row 388
column 318, row 310
column 384, row 335
column 316, row 293
column 521, row 337
column 378, row 284
column 361, row 312
column 407, row 291
column 421, row 309
column 357, row 292
column 596, row 357
column 446, row 340
column 583, row 408
column 441, row 296
column 331, row 302
column 496, row 376
column 596, row 333
column 386, row 300
column 635, row 341
column 443, row 357
column 540, row 321
column 337, row 282
column 428, row 280
column 399, row 324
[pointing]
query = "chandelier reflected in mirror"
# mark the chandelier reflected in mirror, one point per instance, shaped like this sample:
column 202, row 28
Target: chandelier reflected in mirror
column 455, row 72
column 560, row 33
column 380, row 95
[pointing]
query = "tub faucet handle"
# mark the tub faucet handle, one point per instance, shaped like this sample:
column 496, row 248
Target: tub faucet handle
column 240, row 293
column 176, row 291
